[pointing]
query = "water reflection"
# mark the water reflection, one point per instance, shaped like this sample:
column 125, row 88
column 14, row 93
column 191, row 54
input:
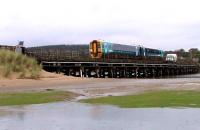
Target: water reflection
column 76, row 116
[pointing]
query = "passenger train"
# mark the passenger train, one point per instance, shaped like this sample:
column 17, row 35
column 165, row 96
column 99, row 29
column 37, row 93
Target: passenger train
column 100, row 49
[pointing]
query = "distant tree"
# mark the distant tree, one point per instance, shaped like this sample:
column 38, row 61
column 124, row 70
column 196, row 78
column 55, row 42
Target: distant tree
column 182, row 53
column 180, row 50
column 194, row 52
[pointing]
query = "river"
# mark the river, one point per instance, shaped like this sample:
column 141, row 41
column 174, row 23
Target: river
column 78, row 116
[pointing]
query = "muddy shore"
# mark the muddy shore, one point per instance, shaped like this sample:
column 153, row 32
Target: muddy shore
column 93, row 87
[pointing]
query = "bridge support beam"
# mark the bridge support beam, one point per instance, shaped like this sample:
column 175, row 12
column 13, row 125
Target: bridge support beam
column 119, row 70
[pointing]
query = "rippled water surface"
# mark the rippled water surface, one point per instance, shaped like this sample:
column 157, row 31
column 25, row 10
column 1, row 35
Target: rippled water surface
column 77, row 116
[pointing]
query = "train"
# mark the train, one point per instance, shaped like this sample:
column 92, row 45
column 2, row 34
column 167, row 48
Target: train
column 101, row 49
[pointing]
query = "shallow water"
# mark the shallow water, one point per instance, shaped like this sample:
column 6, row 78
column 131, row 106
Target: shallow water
column 77, row 116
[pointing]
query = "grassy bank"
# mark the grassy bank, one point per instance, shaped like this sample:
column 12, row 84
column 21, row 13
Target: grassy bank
column 18, row 65
column 152, row 99
column 17, row 98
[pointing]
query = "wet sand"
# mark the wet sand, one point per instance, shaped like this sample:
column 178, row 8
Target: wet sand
column 93, row 87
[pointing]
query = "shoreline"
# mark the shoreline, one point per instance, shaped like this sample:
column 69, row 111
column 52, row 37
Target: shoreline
column 90, row 88
column 95, row 87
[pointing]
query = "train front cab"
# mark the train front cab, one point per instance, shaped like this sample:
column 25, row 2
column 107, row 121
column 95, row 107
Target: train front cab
column 96, row 49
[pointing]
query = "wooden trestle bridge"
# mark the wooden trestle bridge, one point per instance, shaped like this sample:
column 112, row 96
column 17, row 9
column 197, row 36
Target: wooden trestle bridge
column 119, row 70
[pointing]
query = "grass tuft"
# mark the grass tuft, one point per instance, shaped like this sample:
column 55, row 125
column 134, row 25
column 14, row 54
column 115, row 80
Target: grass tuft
column 18, row 98
column 12, row 63
column 152, row 99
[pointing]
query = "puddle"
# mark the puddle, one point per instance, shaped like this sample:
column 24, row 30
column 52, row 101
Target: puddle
column 77, row 116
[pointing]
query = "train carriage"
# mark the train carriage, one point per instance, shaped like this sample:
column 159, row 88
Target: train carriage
column 101, row 49
column 153, row 52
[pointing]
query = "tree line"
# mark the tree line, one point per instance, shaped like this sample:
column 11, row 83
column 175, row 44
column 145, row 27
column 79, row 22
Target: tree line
column 192, row 54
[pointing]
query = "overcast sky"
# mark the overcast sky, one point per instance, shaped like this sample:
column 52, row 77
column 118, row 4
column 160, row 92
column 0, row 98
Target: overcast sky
column 163, row 24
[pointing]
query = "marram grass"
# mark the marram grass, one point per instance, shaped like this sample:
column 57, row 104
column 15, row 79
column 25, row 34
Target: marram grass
column 12, row 63
column 151, row 99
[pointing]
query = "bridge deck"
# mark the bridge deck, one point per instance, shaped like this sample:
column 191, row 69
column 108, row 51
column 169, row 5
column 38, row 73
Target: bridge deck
column 114, row 70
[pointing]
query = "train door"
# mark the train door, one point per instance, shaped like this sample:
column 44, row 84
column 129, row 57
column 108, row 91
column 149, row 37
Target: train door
column 142, row 51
